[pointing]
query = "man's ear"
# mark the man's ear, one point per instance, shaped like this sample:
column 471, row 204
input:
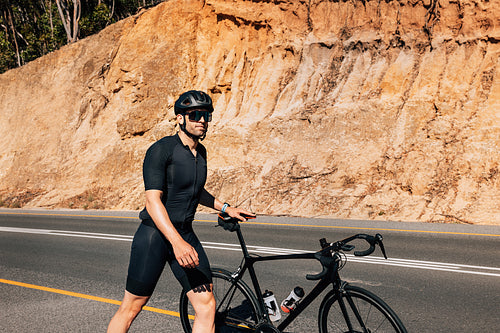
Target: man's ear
column 180, row 119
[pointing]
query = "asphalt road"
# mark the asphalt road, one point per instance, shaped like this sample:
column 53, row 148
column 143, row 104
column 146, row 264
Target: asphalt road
column 65, row 271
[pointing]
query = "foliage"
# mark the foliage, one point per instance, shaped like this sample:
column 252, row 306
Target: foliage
column 7, row 56
column 95, row 21
column 32, row 28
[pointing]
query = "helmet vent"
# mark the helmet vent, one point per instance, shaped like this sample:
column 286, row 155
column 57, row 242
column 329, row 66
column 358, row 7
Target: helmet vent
column 193, row 99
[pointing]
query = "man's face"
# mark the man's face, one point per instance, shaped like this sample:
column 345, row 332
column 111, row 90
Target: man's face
column 195, row 127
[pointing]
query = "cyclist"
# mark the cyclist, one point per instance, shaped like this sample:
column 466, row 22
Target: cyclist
column 174, row 171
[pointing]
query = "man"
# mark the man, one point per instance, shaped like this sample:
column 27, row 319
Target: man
column 175, row 171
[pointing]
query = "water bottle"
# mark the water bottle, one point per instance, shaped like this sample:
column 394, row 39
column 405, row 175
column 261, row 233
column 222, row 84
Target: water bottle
column 290, row 303
column 271, row 305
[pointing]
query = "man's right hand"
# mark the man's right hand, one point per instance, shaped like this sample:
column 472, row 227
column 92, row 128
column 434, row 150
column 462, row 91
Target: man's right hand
column 239, row 213
column 185, row 254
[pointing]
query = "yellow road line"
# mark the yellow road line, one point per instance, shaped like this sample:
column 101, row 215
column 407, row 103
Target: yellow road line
column 276, row 224
column 84, row 296
column 363, row 228
column 69, row 215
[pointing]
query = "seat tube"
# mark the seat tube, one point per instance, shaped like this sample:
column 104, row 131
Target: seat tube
column 242, row 243
column 258, row 291
column 253, row 276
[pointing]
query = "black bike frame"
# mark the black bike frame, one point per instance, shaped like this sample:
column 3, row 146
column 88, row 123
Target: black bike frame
column 248, row 263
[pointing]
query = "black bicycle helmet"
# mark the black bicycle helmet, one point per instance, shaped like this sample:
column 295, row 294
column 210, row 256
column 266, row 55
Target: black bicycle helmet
column 193, row 99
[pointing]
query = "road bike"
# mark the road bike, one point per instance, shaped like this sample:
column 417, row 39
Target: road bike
column 345, row 308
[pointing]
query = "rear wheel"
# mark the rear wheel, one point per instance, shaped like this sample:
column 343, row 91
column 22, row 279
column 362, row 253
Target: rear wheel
column 357, row 311
column 236, row 305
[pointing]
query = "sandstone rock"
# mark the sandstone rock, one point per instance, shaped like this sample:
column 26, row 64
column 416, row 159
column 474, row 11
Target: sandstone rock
column 361, row 109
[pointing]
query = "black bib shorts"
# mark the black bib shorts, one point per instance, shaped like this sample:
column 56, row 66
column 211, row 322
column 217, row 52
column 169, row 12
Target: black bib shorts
column 151, row 251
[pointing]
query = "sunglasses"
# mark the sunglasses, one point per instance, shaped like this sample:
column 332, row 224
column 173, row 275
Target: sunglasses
column 197, row 115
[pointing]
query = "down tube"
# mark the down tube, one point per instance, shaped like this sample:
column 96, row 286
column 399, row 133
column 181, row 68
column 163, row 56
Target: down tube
column 318, row 289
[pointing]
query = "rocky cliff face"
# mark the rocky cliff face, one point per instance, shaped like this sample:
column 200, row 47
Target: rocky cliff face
column 349, row 109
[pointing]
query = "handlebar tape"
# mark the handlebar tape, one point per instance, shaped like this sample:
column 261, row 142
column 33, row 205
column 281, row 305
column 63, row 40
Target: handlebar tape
column 326, row 262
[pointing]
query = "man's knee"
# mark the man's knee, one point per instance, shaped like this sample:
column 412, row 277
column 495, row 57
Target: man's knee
column 203, row 300
column 130, row 310
column 132, row 304
column 209, row 303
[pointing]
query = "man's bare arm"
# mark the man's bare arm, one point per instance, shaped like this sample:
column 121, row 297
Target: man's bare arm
column 209, row 200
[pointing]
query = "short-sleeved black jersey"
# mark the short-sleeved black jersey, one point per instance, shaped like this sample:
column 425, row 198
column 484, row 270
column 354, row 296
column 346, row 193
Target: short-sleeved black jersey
column 171, row 167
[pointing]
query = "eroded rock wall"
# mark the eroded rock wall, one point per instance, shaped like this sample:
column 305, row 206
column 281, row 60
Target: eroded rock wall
column 374, row 109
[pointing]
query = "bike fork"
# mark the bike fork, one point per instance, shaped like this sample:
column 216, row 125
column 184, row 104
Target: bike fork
column 340, row 298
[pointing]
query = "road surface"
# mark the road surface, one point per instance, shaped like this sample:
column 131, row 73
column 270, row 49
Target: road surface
column 64, row 271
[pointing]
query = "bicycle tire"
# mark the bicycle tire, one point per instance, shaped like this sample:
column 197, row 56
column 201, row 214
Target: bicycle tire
column 239, row 313
column 374, row 314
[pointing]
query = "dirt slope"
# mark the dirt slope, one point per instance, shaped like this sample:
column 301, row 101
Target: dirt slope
column 352, row 109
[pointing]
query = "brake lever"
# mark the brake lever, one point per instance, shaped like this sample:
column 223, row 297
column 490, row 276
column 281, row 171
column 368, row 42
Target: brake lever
column 378, row 239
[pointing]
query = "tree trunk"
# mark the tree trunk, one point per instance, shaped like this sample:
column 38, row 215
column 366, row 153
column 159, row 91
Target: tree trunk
column 76, row 19
column 9, row 20
column 112, row 10
column 70, row 22
column 50, row 20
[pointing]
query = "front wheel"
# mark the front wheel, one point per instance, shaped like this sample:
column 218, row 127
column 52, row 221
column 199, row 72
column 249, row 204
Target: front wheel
column 357, row 311
column 236, row 305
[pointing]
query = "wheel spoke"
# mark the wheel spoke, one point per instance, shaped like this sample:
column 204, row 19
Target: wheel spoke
column 236, row 309
column 357, row 311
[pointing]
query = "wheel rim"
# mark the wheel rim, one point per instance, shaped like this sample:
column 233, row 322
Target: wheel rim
column 371, row 317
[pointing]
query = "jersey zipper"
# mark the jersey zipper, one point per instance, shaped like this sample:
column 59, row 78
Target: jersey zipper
column 194, row 185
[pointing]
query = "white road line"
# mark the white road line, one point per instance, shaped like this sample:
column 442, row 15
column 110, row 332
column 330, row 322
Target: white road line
column 67, row 233
column 409, row 263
